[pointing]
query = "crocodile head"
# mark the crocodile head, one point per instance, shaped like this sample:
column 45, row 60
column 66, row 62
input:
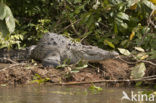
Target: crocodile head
column 93, row 53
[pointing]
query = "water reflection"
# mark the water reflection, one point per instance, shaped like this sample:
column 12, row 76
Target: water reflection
column 61, row 94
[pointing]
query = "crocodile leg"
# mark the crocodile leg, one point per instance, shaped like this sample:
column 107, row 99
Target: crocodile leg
column 51, row 60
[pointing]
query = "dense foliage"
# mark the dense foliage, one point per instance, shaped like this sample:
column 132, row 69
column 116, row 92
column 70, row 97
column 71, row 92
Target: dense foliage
column 108, row 24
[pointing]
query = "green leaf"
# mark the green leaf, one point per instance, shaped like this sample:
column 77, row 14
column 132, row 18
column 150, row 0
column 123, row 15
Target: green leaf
column 153, row 54
column 149, row 4
column 109, row 43
column 3, row 28
column 2, row 11
column 10, row 21
column 145, row 30
column 124, row 51
column 115, row 28
column 81, row 67
column 123, row 16
column 77, row 1
column 124, row 25
column 91, row 21
column 139, row 83
column 95, row 89
column 121, row 24
column 61, row 66
column 78, row 9
column 75, row 71
column 132, row 2
column 138, row 71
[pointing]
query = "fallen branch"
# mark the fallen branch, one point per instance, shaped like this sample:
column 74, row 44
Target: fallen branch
column 9, row 60
column 102, row 81
column 149, row 77
column 13, row 65
column 144, row 61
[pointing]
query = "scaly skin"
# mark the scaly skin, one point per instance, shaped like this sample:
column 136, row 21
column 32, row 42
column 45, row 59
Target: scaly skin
column 6, row 56
column 53, row 49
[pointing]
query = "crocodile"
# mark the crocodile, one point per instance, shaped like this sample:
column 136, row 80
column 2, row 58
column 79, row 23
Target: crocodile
column 53, row 49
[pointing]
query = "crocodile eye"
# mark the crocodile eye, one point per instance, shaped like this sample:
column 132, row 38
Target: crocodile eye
column 52, row 39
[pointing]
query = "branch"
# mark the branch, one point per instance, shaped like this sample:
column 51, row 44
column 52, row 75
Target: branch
column 144, row 61
column 13, row 65
column 68, row 26
column 101, row 81
column 73, row 27
column 9, row 60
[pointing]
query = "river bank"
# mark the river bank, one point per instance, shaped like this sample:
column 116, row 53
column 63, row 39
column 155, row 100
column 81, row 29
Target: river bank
column 111, row 72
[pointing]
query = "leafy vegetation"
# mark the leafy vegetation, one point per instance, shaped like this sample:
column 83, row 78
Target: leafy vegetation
column 38, row 79
column 95, row 89
column 108, row 24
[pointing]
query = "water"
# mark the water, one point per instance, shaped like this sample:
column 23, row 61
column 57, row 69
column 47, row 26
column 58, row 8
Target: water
column 62, row 94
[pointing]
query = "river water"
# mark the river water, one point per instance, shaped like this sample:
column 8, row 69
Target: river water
column 63, row 94
column 66, row 94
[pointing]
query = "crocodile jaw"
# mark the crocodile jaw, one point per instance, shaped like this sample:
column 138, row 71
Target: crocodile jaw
column 92, row 53
column 100, row 56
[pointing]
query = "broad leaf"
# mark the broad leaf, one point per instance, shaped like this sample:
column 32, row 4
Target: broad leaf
column 8, row 25
column 10, row 21
column 138, row 71
column 149, row 4
column 124, row 51
column 3, row 28
column 139, row 49
column 2, row 11
column 124, row 25
column 123, row 16
column 132, row 2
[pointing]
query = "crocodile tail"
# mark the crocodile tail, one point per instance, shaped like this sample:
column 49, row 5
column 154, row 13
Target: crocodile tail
column 9, row 56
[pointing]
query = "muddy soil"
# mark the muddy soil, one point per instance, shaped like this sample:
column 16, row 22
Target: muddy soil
column 26, row 73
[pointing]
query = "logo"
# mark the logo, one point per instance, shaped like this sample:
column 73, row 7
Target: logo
column 140, row 96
